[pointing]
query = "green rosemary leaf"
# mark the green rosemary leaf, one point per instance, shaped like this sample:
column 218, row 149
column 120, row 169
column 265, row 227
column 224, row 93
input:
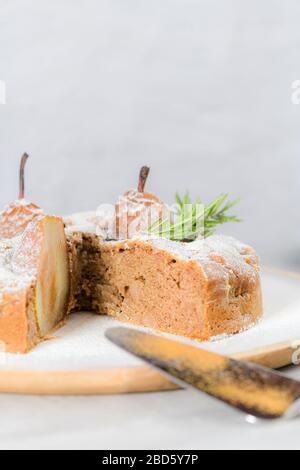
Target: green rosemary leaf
column 194, row 220
column 178, row 200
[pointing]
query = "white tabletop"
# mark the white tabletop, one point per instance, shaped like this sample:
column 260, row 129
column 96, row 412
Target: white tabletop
column 182, row 419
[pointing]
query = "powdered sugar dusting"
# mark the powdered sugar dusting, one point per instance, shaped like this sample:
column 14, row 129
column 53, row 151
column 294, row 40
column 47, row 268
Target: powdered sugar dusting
column 81, row 222
column 16, row 216
column 10, row 280
column 133, row 213
column 26, row 254
column 219, row 255
column 216, row 254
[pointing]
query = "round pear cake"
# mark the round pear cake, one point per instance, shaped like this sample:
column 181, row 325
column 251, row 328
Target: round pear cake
column 200, row 288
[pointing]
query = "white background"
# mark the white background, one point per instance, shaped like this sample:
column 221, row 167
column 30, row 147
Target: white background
column 198, row 89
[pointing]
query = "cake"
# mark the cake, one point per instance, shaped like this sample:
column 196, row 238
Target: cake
column 50, row 267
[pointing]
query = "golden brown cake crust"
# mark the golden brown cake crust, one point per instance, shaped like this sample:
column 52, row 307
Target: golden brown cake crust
column 18, row 330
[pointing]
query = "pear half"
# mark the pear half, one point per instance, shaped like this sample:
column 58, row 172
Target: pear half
column 42, row 255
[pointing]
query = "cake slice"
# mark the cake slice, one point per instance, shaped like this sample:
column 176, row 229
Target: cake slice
column 34, row 284
column 200, row 290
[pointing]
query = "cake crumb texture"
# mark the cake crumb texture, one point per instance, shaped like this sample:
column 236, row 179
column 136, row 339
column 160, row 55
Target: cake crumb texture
column 200, row 290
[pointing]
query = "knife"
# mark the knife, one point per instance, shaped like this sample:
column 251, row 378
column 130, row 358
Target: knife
column 253, row 389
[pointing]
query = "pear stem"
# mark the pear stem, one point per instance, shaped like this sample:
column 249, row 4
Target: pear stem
column 21, row 176
column 144, row 173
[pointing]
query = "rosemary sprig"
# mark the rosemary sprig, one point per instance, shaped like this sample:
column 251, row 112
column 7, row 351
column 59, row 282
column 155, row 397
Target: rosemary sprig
column 194, row 220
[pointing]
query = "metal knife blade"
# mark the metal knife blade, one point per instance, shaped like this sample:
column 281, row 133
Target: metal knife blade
column 251, row 388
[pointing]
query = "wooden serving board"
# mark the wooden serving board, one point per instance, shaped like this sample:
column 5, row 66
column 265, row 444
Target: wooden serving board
column 80, row 360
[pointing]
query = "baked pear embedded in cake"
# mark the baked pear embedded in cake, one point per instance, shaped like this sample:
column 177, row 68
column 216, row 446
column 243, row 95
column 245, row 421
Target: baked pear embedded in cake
column 17, row 215
column 34, row 278
column 41, row 253
column 136, row 210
